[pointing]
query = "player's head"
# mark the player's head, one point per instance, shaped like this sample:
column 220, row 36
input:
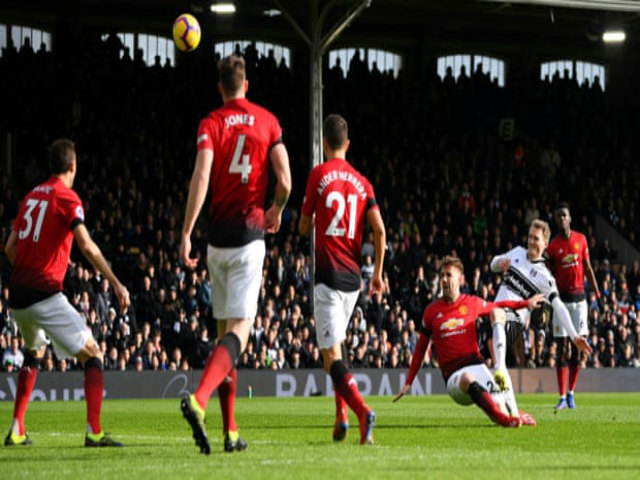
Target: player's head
column 562, row 215
column 62, row 157
column 539, row 233
column 335, row 134
column 233, row 77
column 451, row 274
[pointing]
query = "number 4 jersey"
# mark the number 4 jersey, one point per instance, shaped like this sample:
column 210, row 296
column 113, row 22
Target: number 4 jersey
column 240, row 134
column 44, row 225
column 340, row 197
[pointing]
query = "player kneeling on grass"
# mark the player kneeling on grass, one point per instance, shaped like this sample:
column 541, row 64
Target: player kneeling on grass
column 451, row 322
column 51, row 216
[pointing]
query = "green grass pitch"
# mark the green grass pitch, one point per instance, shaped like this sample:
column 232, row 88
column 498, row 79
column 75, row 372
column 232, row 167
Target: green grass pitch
column 418, row 437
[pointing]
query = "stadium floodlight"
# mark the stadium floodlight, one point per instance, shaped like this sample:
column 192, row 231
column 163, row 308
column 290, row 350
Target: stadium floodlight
column 224, row 8
column 272, row 12
column 614, row 36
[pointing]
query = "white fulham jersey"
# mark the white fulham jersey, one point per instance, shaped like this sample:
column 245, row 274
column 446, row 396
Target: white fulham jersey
column 524, row 279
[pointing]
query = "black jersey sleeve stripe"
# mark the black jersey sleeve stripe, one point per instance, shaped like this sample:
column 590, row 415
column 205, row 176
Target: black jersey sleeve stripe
column 277, row 142
column 370, row 204
column 75, row 223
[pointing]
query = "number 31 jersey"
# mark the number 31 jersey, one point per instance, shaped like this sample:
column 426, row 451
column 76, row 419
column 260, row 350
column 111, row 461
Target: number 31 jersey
column 44, row 225
column 340, row 197
column 240, row 134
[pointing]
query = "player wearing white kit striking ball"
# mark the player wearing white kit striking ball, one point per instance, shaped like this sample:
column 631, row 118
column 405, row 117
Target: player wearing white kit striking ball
column 50, row 218
column 525, row 274
column 236, row 144
column 339, row 199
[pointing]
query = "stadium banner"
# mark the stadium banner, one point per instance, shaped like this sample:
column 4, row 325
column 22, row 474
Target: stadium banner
column 299, row 383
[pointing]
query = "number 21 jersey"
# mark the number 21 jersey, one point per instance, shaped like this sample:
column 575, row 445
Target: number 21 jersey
column 340, row 197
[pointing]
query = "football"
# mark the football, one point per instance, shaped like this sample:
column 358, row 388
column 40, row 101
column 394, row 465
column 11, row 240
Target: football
column 186, row 32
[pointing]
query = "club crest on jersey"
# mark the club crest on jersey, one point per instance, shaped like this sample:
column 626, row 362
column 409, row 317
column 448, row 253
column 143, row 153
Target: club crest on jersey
column 452, row 324
column 463, row 310
column 80, row 213
column 576, row 246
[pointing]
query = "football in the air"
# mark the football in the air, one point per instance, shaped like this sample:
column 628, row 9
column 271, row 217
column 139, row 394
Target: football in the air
column 186, row 32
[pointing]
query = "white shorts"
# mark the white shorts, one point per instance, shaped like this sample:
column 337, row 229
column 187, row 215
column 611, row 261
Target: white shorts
column 55, row 317
column 236, row 274
column 332, row 309
column 578, row 312
column 483, row 376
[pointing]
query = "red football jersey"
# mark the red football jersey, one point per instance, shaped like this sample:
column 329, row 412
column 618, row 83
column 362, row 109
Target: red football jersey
column 340, row 197
column 44, row 225
column 452, row 327
column 567, row 256
column 241, row 134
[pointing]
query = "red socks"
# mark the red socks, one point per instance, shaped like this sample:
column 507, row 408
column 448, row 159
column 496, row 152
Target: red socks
column 26, row 381
column 216, row 369
column 342, row 415
column 347, row 387
column 561, row 374
column 227, row 397
column 93, row 387
column 574, row 370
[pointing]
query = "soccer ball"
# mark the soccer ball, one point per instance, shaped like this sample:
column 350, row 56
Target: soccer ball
column 186, row 32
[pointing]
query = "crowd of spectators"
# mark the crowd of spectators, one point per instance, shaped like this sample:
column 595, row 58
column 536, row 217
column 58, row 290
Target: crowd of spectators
column 446, row 181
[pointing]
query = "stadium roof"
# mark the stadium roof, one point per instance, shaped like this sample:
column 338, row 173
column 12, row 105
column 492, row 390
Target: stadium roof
column 389, row 22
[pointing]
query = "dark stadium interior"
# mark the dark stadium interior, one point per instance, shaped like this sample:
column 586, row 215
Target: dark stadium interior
column 446, row 180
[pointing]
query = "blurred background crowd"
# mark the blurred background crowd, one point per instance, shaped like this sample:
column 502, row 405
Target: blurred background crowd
column 446, row 180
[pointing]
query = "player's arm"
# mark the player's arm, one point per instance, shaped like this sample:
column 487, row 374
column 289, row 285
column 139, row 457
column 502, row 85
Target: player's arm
column 500, row 263
column 92, row 252
column 280, row 163
column 416, row 363
column 379, row 241
column 534, row 302
column 10, row 247
column 561, row 313
column 197, row 193
column 591, row 276
column 305, row 224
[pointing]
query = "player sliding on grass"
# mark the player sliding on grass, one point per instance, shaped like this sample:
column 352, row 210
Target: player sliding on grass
column 51, row 216
column 340, row 199
column 451, row 322
column 236, row 143
column 525, row 274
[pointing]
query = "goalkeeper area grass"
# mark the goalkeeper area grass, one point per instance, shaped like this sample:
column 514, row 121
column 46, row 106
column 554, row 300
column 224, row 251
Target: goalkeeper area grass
column 417, row 437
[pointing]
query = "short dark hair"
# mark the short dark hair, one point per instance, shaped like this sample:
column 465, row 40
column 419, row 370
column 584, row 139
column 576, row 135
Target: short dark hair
column 335, row 131
column 561, row 205
column 232, row 72
column 61, row 155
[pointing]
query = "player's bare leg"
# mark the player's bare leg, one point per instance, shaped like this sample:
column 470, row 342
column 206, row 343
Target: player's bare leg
column 17, row 435
column 91, row 358
column 347, row 388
